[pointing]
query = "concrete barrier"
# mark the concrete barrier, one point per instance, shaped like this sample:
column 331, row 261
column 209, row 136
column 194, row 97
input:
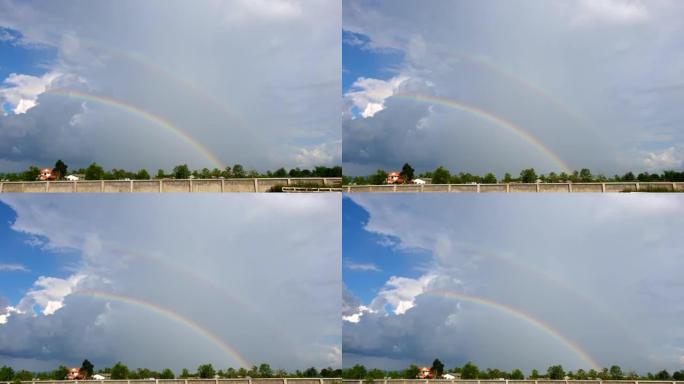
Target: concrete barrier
column 165, row 185
column 504, row 381
column 523, row 187
column 193, row 381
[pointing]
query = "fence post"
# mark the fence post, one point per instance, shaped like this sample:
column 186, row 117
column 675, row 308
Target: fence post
column 2, row 186
column 422, row 187
column 478, row 187
column 223, row 185
column 189, row 185
column 256, row 189
column 569, row 190
column 508, row 187
column 394, row 188
column 73, row 186
column 47, row 186
column 130, row 189
column 603, row 187
column 101, row 185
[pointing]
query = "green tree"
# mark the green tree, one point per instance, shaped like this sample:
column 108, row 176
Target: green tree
column 616, row 372
column 184, row 373
column 470, row 371
column 555, row 372
column 517, row 375
column 280, row 172
column 206, row 371
column 663, row 375
column 311, row 372
column 407, row 173
column 441, row 175
column 507, row 178
column 378, row 178
column 238, row 171
column 357, row 372
column 23, row 375
column 167, row 374
column 119, row 371
column 94, row 172
column 87, row 368
column 534, row 374
column 6, row 373
column 142, row 175
column 411, row 372
column 585, row 175
column 265, row 370
column 489, row 178
column 60, row 373
column 60, row 169
column 437, row 368
column 528, row 176
column 181, row 171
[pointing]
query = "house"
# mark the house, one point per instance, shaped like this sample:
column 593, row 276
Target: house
column 72, row 178
column 75, row 374
column 451, row 376
column 98, row 376
column 425, row 373
column 419, row 181
column 46, row 175
column 394, row 178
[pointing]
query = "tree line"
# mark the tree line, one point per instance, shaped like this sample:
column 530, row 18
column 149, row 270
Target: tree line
column 96, row 172
column 470, row 371
column 205, row 371
column 441, row 175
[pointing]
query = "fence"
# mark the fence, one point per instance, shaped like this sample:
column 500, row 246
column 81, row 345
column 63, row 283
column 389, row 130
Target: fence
column 166, row 185
column 504, row 381
column 521, row 187
column 191, row 381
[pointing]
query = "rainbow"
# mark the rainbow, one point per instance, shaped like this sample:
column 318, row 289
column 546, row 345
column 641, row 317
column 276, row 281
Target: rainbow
column 546, row 328
column 156, row 68
column 518, row 131
column 525, row 83
column 149, row 116
column 167, row 313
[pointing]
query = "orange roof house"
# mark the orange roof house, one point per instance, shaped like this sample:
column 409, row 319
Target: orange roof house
column 46, row 174
column 425, row 373
column 394, row 178
column 75, row 374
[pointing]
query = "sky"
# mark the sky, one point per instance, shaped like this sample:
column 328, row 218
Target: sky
column 480, row 86
column 513, row 281
column 156, row 84
column 121, row 278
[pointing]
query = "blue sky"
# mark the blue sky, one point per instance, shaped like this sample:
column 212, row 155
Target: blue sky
column 20, row 249
column 609, row 282
column 598, row 89
column 76, row 273
column 364, row 250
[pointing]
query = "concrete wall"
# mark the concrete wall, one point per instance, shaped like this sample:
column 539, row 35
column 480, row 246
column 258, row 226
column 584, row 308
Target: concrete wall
column 165, row 185
column 540, row 381
column 193, row 381
column 519, row 187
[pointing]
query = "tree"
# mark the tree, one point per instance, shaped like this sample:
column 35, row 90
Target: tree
column 378, row 178
column 94, row 172
column 357, row 372
column 181, row 171
column 60, row 169
column 507, row 178
column 60, row 373
column 167, row 374
column 663, row 375
column 489, row 178
column 119, row 371
column 555, row 372
column 238, row 171
column 534, row 374
column 87, row 368
column 517, row 375
column 407, row 173
column 142, row 175
column 437, row 368
column 311, row 372
column 411, row 372
column 616, row 372
column 280, row 172
column 206, row 371
column 23, row 375
column 441, row 175
column 6, row 373
column 265, row 370
column 470, row 371
column 528, row 176
column 585, row 175
column 184, row 373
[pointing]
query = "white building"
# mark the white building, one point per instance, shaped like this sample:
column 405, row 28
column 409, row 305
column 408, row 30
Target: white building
column 72, row 178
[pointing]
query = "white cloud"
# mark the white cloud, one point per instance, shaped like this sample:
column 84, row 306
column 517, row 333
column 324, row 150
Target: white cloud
column 21, row 91
column 325, row 153
column 400, row 292
column 49, row 293
column 618, row 11
column 369, row 95
column 362, row 267
column 667, row 159
column 13, row 267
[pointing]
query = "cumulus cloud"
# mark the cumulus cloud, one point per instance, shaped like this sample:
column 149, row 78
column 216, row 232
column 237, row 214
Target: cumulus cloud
column 669, row 158
column 578, row 88
column 213, row 283
column 488, row 284
column 243, row 85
